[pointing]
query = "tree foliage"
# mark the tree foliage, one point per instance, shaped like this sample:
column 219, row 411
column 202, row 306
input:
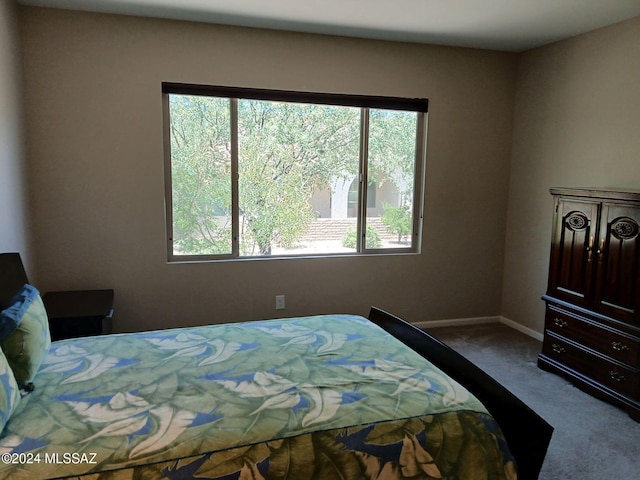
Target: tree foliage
column 285, row 152
column 392, row 148
column 372, row 236
column 397, row 220
column 200, row 174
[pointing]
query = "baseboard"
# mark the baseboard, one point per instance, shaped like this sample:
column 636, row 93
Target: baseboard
column 455, row 322
column 458, row 322
column 521, row 328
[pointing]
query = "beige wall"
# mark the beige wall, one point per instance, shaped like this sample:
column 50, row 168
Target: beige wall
column 577, row 121
column 14, row 232
column 94, row 130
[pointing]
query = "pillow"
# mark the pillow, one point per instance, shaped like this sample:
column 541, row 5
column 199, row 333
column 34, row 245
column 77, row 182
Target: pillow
column 9, row 393
column 24, row 334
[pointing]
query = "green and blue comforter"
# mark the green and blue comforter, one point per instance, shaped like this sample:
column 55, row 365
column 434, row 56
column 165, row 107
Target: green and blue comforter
column 320, row 397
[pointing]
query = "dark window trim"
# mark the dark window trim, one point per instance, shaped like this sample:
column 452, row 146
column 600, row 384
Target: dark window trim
column 361, row 101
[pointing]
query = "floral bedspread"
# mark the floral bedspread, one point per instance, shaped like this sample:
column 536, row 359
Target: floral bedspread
column 319, row 397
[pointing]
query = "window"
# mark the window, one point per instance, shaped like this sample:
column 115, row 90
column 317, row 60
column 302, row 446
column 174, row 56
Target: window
column 263, row 173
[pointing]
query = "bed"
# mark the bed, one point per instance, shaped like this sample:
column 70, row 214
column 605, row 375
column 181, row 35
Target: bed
column 319, row 397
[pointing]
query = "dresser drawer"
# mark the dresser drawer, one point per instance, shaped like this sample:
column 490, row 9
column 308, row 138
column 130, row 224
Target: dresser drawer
column 613, row 343
column 611, row 374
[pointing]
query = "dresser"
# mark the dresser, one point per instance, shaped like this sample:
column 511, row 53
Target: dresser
column 592, row 319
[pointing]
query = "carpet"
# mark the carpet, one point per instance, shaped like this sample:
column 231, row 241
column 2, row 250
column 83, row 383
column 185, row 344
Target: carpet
column 592, row 439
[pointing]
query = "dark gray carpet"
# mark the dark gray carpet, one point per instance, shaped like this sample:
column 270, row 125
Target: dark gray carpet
column 591, row 440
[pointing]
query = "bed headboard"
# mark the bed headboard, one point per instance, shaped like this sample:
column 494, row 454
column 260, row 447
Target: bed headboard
column 12, row 277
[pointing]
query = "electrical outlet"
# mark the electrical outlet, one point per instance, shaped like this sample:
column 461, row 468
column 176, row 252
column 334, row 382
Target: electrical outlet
column 279, row 302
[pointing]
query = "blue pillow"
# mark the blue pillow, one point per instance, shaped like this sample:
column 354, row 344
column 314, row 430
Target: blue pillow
column 11, row 316
column 9, row 393
column 24, row 335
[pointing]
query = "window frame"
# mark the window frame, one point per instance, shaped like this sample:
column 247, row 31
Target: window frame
column 364, row 102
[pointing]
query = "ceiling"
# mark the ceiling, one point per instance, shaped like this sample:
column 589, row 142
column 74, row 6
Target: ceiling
column 509, row 25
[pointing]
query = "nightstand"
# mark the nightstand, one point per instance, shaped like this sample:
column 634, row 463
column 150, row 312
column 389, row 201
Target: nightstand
column 79, row 313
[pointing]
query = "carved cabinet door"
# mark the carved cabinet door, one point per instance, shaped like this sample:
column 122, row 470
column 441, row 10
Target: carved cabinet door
column 617, row 291
column 573, row 251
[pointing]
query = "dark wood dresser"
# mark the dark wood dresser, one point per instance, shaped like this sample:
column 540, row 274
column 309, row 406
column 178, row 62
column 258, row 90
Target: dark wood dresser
column 592, row 323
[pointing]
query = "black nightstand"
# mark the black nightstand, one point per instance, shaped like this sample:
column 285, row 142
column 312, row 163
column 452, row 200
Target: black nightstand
column 79, row 313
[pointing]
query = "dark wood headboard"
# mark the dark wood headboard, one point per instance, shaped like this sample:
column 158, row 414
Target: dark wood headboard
column 12, row 277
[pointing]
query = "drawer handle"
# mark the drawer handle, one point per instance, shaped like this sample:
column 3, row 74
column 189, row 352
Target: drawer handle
column 558, row 348
column 617, row 376
column 619, row 346
column 559, row 322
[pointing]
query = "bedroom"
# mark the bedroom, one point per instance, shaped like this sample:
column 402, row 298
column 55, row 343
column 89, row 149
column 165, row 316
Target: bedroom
column 86, row 187
column 82, row 194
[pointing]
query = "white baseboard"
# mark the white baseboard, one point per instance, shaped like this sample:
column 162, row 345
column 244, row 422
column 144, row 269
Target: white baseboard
column 521, row 328
column 455, row 322
column 458, row 322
